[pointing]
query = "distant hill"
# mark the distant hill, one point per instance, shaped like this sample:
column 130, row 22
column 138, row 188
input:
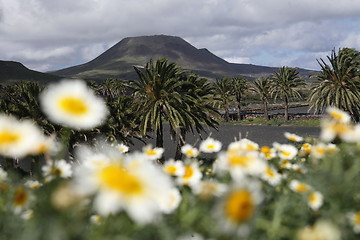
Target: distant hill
column 118, row 61
column 11, row 72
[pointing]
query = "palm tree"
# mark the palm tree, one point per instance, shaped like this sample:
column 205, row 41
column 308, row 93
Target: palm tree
column 223, row 89
column 261, row 86
column 284, row 83
column 157, row 97
column 197, row 93
column 338, row 83
column 240, row 85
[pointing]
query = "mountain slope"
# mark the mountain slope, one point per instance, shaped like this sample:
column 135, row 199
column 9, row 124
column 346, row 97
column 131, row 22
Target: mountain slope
column 118, row 61
column 11, row 71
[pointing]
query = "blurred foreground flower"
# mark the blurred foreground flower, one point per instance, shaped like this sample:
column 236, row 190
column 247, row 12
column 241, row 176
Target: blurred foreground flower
column 152, row 153
column 210, row 145
column 59, row 168
column 238, row 207
column 71, row 103
column 322, row 230
column 354, row 218
column 18, row 138
column 132, row 184
column 293, row 137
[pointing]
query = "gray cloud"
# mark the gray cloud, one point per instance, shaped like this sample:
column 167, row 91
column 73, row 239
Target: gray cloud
column 47, row 35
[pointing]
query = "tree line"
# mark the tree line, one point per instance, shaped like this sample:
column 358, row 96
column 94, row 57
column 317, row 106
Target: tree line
column 189, row 103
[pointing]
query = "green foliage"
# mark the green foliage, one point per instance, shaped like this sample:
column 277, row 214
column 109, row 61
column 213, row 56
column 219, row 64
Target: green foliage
column 338, row 83
column 283, row 85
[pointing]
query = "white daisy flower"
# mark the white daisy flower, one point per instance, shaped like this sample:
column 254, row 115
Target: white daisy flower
column 95, row 219
column 21, row 199
column 321, row 230
column 331, row 129
column 3, row 175
column 129, row 184
column 286, row 151
column 27, row 214
column 319, row 150
column 285, row 164
column 244, row 145
column 210, row 145
column 46, row 145
column 152, row 153
column 299, row 187
column 240, row 163
column 190, row 151
column 73, row 104
column 209, row 188
column 315, row 200
column 267, row 152
column 338, row 115
column 59, row 168
column 192, row 175
column 299, row 168
column 17, row 137
column 33, row 184
column 174, row 168
column 306, row 148
column 238, row 206
column 293, row 137
column 271, row 176
column 123, row 148
column 93, row 159
column 354, row 219
column 332, row 148
column 170, row 203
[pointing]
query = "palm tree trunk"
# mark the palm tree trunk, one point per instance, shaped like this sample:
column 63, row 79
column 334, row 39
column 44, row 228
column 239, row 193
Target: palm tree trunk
column 238, row 113
column 266, row 111
column 286, row 108
column 181, row 142
column 159, row 135
column 227, row 118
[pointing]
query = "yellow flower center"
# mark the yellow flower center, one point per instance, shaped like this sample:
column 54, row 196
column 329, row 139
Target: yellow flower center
column 151, row 152
column 357, row 218
column 341, row 128
column 336, row 115
column 269, row 172
column 320, row 150
column 301, row 188
column 286, row 154
column 293, row 138
column 236, row 159
column 56, row 171
column 250, row 147
column 306, row 147
column 210, row 146
column 21, row 197
column 116, row 177
column 189, row 152
column 312, row 198
column 265, row 149
column 170, row 170
column 189, row 172
column 7, row 137
column 73, row 105
column 240, row 206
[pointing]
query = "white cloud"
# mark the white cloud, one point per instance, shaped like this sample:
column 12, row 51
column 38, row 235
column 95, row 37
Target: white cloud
column 64, row 32
column 238, row 59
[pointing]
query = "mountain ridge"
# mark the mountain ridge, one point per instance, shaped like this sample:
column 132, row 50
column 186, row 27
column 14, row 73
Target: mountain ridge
column 118, row 60
column 12, row 71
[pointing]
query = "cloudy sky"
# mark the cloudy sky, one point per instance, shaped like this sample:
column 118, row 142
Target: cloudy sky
column 50, row 34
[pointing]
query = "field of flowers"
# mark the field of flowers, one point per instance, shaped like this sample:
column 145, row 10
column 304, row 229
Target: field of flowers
column 305, row 189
